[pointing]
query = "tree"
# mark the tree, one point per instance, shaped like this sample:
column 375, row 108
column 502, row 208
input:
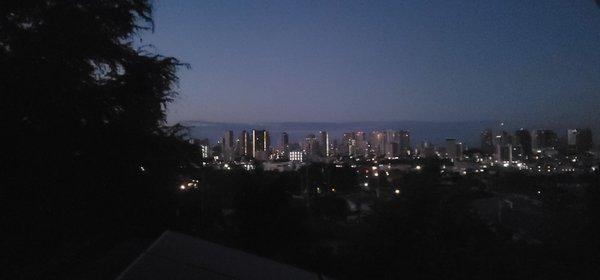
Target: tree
column 84, row 112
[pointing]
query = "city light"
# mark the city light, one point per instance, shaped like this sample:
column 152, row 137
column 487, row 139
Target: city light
column 367, row 153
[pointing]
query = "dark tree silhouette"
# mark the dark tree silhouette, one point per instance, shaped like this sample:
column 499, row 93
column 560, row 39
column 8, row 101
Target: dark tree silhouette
column 83, row 111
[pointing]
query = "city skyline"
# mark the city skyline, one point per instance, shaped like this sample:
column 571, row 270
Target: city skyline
column 419, row 61
column 394, row 142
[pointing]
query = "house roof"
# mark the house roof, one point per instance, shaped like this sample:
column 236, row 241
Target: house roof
column 179, row 256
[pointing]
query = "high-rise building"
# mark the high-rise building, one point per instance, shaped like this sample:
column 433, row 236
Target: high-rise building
column 585, row 140
column 579, row 140
column 487, row 142
column 204, row 146
column 426, row 149
column 283, row 147
column 522, row 145
column 324, row 143
column 260, row 144
column 504, row 152
column 543, row 139
column 347, row 147
column 228, row 139
column 333, row 151
column 391, row 143
column 227, row 146
column 244, row 144
column 504, row 138
column 571, row 137
column 284, row 142
column 460, row 149
column 360, row 146
column 504, row 147
column 451, row 150
column 404, row 145
column 378, row 141
column 311, row 146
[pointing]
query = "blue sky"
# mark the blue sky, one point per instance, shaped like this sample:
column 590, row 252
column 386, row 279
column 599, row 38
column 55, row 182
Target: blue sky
column 254, row 61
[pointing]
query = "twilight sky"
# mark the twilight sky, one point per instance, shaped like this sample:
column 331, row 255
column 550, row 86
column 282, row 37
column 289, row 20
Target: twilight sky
column 253, row 61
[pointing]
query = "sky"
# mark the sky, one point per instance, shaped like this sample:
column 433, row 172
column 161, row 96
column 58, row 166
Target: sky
column 534, row 62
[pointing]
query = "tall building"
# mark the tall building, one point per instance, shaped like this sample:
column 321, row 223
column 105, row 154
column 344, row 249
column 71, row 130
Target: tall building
column 504, row 138
column 504, row 147
column 360, row 144
column 391, row 143
column 378, row 141
column 451, row 150
column 203, row 145
column 244, row 144
column 227, row 146
column 324, row 143
column 311, row 146
column 260, row 144
column 571, row 137
column 585, row 140
column 426, row 149
column 284, row 142
column 284, row 145
column 487, row 142
column 579, row 140
column 504, row 152
column 460, row 149
column 522, row 144
column 404, row 145
column 347, row 147
column 543, row 139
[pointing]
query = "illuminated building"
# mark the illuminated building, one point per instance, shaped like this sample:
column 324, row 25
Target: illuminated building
column 284, row 144
column 378, row 141
column 361, row 146
column 260, row 144
column 243, row 144
column 297, row 156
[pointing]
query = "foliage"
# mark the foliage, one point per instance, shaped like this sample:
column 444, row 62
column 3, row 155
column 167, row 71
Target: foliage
column 84, row 111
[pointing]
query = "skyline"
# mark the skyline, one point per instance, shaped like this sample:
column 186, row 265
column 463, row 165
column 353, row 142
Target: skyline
column 419, row 61
column 434, row 132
